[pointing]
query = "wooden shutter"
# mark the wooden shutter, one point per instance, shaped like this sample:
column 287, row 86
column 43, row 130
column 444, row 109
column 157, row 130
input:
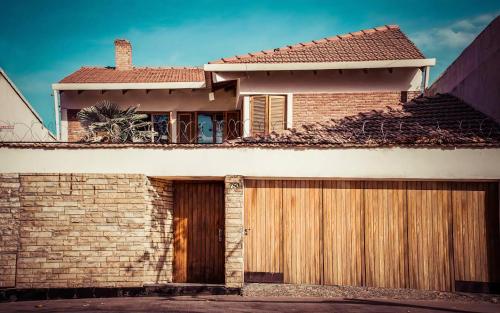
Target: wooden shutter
column 258, row 114
column 277, row 111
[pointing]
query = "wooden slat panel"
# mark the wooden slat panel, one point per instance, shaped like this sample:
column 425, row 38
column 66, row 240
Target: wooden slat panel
column 423, row 235
column 476, row 232
column 198, row 215
column 302, row 232
column 385, row 205
column 277, row 113
column 429, row 236
column 258, row 114
column 342, row 232
column 263, row 251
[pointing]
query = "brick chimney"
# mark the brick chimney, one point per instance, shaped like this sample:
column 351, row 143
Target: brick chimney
column 123, row 55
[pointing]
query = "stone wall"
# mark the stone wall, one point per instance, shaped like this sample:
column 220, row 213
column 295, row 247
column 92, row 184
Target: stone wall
column 159, row 246
column 85, row 230
column 317, row 107
column 9, row 226
column 234, row 266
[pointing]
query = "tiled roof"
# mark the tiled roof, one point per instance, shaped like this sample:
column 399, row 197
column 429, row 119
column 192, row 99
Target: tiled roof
column 135, row 75
column 375, row 44
column 441, row 120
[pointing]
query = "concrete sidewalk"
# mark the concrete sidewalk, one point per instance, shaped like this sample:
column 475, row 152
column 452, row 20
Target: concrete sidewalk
column 243, row 304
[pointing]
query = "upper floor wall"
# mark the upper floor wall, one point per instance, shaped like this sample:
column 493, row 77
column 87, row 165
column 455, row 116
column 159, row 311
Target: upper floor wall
column 158, row 100
column 475, row 75
column 325, row 81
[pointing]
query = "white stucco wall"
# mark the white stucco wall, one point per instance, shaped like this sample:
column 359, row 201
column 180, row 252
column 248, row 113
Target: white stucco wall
column 381, row 163
column 326, row 81
column 18, row 121
column 155, row 100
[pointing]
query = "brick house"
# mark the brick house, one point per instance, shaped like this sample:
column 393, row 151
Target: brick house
column 333, row 172
column 260, row 92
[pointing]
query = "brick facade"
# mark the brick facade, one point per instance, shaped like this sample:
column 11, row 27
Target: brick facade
column 234, row 267
column 85, row 230
column 75, row 129
column 123, row 55
column 317, row 107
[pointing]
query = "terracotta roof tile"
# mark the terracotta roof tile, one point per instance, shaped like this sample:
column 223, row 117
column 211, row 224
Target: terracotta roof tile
column 135, row 75
column 441, row 120
column 380, row 43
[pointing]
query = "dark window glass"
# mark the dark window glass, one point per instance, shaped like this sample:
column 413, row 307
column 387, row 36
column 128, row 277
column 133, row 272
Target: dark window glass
column 161, row 127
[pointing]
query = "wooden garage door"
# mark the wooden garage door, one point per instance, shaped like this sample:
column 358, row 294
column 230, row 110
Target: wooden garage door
column 422, row 235
column 302, row 240
column 430, row 251
column 476, row 235
column 343, row 240
column 385, row 231
column 263, row 251
column 198, row 232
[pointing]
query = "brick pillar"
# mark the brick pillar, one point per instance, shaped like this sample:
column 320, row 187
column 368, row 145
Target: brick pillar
column 234, row 231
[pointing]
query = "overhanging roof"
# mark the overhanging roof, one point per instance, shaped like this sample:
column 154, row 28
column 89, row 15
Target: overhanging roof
column 127, row 86
column 249, row 67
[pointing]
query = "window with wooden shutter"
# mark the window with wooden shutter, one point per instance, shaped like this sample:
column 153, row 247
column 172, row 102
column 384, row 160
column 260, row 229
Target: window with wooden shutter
column 267, row 114
column 258, row 114
column 277, row 111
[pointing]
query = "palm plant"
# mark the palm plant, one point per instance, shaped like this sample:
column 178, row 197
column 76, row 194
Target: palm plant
column 106, row 122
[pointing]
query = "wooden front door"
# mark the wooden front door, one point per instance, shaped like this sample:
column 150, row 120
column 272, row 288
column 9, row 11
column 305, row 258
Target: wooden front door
column 199, row 232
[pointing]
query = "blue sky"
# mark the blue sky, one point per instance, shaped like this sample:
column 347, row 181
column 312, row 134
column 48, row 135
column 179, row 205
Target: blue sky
column 43, row 41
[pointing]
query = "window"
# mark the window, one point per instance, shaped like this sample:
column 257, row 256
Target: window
column 208, row 127
column 267, row 114
column 161, row 125
column 185, row 127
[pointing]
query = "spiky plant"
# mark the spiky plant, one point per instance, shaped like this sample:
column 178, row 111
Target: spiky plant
column 106, row 122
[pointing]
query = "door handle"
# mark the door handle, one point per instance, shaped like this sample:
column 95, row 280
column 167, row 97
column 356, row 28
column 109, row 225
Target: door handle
column 221, row 234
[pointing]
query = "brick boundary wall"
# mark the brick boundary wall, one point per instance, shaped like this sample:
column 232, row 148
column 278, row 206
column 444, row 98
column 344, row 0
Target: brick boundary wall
column 318, row 107
column 79, row 230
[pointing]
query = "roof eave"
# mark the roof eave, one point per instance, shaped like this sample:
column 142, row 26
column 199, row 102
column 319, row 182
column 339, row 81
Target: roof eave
column 303, row 66
column 128, row 86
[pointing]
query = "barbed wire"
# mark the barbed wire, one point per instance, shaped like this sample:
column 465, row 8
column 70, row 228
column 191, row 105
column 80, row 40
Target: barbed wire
column 33, row 131
column 343, row 131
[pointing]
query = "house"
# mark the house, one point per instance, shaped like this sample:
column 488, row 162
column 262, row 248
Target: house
column 18, row 120
column 341, row 174
column 260, row 92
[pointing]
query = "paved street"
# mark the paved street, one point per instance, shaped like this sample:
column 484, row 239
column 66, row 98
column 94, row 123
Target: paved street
column 242, row 304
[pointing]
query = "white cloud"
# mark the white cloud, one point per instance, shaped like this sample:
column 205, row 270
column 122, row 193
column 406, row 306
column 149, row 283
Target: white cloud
column 455, row 35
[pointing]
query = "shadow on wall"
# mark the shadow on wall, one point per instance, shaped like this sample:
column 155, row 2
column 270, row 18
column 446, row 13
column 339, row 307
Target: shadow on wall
column 160, row 232
column 440, row 119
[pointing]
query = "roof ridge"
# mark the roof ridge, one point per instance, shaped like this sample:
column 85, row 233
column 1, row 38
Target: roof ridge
column 301, row 45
